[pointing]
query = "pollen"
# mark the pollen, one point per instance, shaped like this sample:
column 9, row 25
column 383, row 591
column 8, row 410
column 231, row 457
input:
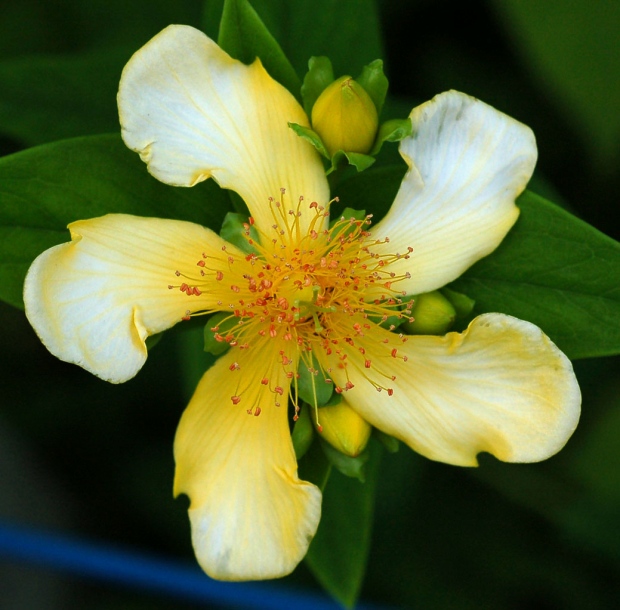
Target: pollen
column 306, row 293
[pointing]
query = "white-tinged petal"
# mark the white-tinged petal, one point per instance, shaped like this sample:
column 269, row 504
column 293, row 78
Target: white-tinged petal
column 502, row 386
column 467, row 164
column 193, row 112
column 94, row 301
column 251, row 516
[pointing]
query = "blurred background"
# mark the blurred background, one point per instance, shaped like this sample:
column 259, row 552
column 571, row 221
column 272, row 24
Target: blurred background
column 94, row 461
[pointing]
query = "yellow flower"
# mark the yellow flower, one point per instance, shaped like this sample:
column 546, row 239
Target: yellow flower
column 193, row 113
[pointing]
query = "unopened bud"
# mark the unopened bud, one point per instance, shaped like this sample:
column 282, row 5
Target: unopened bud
column 345, row 117
column 344, row 429
column 433, row 315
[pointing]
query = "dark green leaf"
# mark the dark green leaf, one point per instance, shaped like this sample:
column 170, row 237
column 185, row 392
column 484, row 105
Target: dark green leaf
column 319, row 76
column 339, row 552
column 347, row 32
column 574, row 51
column 315, row 467
column 389, row 442
column 374, row 82
column 558, row 272
column 45, row 188
column 50, row 98
column 153, row 340
column 244, row 36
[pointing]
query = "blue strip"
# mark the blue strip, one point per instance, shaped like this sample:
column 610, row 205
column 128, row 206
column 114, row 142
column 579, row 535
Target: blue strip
column 146, row 572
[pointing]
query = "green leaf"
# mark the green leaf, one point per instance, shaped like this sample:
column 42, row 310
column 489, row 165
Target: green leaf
column 43, row 189
column 557, row 272
column 234, row 231
column 319, row 76
column 310, row 136
column 244, row 36
column 374, row 81
column 339, row 552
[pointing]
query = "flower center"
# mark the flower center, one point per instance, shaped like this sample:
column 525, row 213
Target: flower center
column 306, row 297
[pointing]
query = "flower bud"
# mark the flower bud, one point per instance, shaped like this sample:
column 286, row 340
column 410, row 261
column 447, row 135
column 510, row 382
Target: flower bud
column 433, row 315
column 344, row 429
column 345, row 117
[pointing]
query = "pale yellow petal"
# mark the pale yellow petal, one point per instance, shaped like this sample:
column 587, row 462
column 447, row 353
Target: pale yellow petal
column 251, row 516
column 468, row 163
column 193, row 113
column 501, row 386
column 95, row 300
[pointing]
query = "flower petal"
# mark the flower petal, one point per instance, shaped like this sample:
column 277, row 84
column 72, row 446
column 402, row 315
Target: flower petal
column 193, row 112
column 251, row 516
column 501, row 386
column 468, row 163
column 95, row 300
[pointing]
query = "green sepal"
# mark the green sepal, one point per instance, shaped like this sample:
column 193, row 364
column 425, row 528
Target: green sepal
column 354, row 467
column 244, row 36
column 358, row 160
column 347, row 214
column 393, row 130
column 308, row 384
column 311, row 136
column 390, row 443
column 234, row 232
column 374, row 82
column 211, row 345
column 335, row 399
column 303, row 432
column 340, row 157
column 395, row 320
column 319, row 76
column 432, row 314
column 462, row 304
